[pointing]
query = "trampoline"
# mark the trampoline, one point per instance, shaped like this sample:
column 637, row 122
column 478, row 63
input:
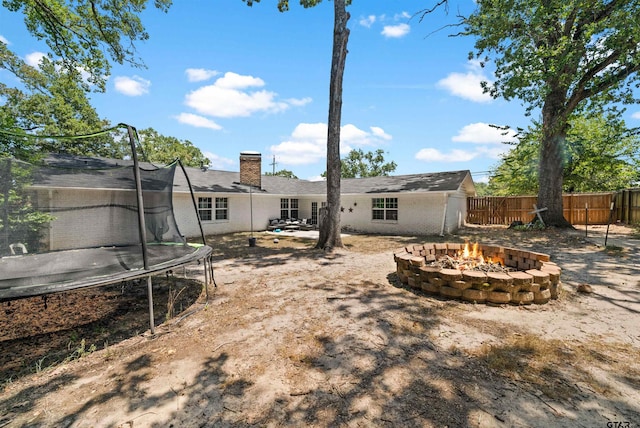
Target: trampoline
column 90, row 267
column 71, row 222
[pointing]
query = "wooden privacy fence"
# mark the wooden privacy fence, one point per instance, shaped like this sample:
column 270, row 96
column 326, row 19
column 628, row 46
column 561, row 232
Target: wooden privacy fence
column 507, row 209
column 627, row 206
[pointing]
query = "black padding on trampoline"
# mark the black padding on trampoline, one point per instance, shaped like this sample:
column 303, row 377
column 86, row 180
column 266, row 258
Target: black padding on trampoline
column 90, row 267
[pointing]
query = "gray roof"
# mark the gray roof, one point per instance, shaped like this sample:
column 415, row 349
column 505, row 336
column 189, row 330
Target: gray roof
column 108, row 173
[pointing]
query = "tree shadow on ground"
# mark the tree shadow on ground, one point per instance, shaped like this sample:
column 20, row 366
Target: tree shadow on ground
column 290, row 249
column 39, row 333
column 390, row 375
column 266, row 252
column 13, row 407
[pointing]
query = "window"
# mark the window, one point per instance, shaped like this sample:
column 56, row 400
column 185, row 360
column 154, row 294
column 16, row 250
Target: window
column 222, row 209
column 314, row 213
column 288, row 208
column 384, row 209
column 204, row 209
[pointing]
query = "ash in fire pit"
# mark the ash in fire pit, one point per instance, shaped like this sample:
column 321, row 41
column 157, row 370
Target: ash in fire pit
column 479, row 273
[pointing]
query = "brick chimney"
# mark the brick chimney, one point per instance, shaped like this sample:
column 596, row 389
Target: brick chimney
column 251, row 168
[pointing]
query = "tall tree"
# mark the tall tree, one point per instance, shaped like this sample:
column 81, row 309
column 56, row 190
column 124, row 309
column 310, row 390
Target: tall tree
column 282, row 173
column 49, row 102
column 558, row 56
column 162, row 149
column 80, row 32
column 359, row 164
column 330, row 218
column 600, row 154
column 329, row 236
column 84, row 36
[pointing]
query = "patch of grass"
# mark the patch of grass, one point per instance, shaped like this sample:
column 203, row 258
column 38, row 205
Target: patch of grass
column 614, row 250
column 39, row 364
column 80, row 351
column 536, row 225
column 552, row 365
column 5, row 383
column 172, row 299
column 302, row 348
column 409, row 326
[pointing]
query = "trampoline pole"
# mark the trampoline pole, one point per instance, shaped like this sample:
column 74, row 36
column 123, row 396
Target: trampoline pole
column 141, row 223
column 206, row 278
column 152, row 322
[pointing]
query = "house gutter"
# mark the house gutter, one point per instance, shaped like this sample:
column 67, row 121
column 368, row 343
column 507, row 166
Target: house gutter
column 444, row 213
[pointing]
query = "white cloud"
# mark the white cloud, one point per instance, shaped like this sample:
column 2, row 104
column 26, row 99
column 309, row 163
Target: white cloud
column 351, row 134
column 34, row 58
column 481, row 178
column 132, row 86
column 396, row 31
column 402, row 15
column 467, row 85
column 232, row 80
column 298, row 102
column 298, row 152
column 483, row 133
column 367, row 21
column 435, row 155
column 4, row 40
column 231, row 96
column 489, row 142
column 308, row 142
column 220, row 102
column 197, row 121
column 636, row 115
column 200, row 74
column 218, row 162
column 489, row 139
column 379, row 132
column 494, row 152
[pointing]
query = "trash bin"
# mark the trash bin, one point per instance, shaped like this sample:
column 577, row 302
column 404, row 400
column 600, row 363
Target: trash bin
column 252, row 241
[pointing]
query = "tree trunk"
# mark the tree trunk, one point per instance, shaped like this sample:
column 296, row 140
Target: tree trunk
column 5, row 179
column 330, row 228
column 550, row 173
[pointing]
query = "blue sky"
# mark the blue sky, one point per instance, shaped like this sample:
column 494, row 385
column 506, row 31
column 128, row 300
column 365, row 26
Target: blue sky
column 231, row 78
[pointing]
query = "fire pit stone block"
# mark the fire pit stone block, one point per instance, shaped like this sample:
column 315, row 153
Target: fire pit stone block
column 535, row 279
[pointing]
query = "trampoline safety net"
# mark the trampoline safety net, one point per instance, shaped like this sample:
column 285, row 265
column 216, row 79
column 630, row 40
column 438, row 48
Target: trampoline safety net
column 73, row 221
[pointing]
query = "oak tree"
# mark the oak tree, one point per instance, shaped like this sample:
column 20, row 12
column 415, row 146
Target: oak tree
column 358, row 164
column 282, row 173
column 558, row 57
column 87, row 34
column 49, row 101
column 600, row 154
column 162, row 149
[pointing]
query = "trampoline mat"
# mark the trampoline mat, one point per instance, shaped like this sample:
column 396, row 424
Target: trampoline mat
column 39, row 274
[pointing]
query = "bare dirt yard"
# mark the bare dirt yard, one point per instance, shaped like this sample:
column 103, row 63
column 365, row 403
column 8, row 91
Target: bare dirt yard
column 293, row 336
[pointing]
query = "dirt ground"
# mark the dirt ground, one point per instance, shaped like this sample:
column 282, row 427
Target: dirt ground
column 293, row 336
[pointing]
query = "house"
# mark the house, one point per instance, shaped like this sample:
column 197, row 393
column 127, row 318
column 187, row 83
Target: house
column 431, row 203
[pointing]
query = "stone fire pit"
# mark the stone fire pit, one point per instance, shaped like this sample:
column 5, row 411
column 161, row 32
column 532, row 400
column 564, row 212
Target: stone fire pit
column 496, row 275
